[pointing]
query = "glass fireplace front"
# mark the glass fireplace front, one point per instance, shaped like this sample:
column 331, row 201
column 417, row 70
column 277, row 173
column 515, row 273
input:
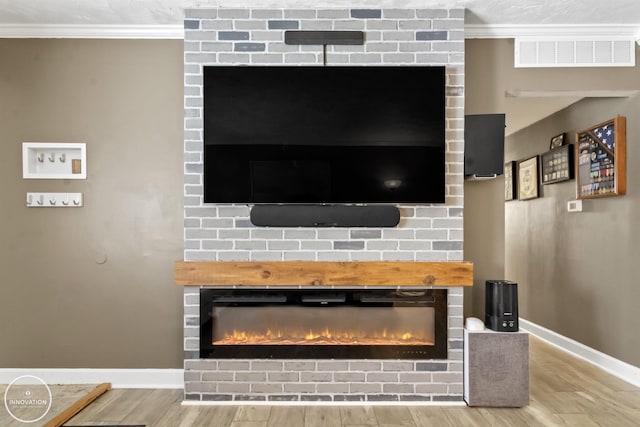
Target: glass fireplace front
column 362, row 324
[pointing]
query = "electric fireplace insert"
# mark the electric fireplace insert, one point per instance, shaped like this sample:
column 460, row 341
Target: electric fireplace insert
column 347, row 324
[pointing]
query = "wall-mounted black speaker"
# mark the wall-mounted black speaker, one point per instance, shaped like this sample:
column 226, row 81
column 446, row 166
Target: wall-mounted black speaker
column 484, row 145
column 325, row 216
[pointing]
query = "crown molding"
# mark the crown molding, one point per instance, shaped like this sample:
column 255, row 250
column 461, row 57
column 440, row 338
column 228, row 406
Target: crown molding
column 32, row 31
column 551, row 31
column 177, row 31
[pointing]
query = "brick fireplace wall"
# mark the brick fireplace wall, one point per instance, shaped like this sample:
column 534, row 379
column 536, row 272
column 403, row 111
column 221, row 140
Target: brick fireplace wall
column 224, row 232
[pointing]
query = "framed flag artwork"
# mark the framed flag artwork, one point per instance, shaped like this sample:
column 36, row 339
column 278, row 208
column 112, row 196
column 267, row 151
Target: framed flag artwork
column 601, row 160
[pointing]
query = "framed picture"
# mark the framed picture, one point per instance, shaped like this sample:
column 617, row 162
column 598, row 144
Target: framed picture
column 528, row 178
column 557, row 165
column 601, row 164
column 558, row 141
column 510, row 182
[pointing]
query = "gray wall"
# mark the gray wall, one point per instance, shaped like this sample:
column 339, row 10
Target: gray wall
column 578, row 272
column 59, row 305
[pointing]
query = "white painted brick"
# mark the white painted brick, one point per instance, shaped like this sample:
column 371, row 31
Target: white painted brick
column 217, row 47
column 371, row 36
column 398, row 256
column 316, row 245
column 266, row 256
column 432, row 13
column 266, row 233
column 381, row 47
column 299, row 233
column 233, row 13
column 267, row 13
column 300, row 58
column 456, row 35
column 418, row 46
column 203, row 58
column 342, row 25
column 234, row 58
column 260, row 245
column 283, row 245
column 334, row 234
column 456, row 235
column 416, row 222
column 414, row 24
column 414, row 245
column 397, row 233
column 447, row 46
column 456, row 58
column 399, row 58
column 431, row 58
column 266, row 58
column 217, row 223
column 201, row 13
column 217, row 244
column 431, row 212
column 446, row 24
column 299, row 256
column 431, row 256
column 332, row 13
column 267, row 36
column 192, row 244
column 193, row 189
column 346, row 48
column 365, row 58
column 233, row 211
column 333, row 256
column 382, row 24
column 398, row 35
column 233, row 234
column 276, row 47
column 191, row 46
column 431, row 234
column 307, row 25
column 378, row 245
column 337, row 58
column 365, row 256
column 198, row 35
column 398, row 13
column 234, row 256
column 209, row 24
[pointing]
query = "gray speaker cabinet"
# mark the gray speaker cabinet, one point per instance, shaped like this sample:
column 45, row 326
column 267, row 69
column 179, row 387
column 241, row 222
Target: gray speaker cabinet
column 496, row 368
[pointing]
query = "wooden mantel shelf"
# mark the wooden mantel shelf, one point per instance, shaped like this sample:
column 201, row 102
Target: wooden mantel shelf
column 311, row 273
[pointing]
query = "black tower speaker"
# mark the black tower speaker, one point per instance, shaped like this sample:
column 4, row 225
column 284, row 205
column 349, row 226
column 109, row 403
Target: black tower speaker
column 501, row 305
column 325, row 216
column 484, row 145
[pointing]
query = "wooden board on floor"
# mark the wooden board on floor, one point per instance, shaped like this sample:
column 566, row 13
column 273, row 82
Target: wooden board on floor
column 79, row 405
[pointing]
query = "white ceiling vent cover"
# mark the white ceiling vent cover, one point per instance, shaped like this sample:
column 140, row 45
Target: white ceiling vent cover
column 532, row 52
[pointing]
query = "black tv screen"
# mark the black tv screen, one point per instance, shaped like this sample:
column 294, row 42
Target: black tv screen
column 317, row 134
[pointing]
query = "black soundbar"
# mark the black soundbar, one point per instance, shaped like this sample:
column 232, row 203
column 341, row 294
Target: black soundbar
column 325, row 216
column 324, row 37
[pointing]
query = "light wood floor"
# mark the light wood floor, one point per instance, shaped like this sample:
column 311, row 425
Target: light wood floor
column 565, row 391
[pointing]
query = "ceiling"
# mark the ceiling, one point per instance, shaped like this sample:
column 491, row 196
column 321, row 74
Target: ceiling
column 170, row 12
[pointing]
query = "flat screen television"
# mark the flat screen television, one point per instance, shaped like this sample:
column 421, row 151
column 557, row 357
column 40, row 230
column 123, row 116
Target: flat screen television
column 338, row 134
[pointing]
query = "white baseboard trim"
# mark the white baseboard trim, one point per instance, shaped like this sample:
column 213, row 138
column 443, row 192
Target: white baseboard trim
column 119, row 378
column 616, row 367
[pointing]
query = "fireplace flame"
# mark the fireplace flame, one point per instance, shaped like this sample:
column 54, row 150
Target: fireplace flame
column 323, row 337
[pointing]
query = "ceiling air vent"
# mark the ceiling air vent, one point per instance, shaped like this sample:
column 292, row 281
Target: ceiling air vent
column 538, row 52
